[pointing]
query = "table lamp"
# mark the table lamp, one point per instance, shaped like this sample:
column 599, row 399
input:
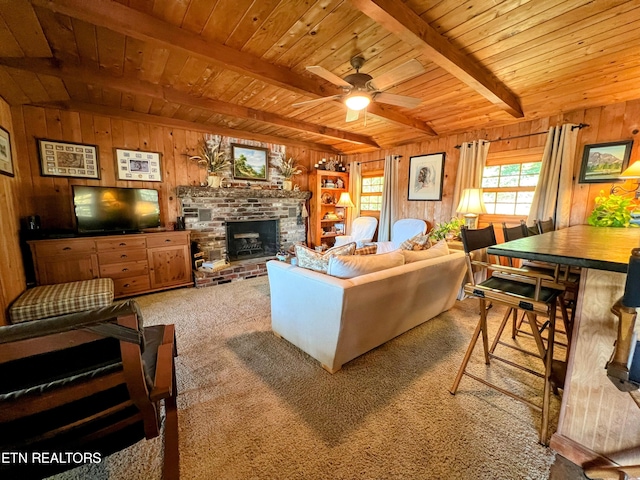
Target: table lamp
column 345, row 201
column 630, row 173
column 471, row 204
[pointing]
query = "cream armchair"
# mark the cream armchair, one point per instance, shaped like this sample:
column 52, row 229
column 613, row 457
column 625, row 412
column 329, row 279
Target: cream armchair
column 362, row 231
column 402, row 230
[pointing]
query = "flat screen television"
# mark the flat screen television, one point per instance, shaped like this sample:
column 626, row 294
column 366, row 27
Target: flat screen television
column 115, row 209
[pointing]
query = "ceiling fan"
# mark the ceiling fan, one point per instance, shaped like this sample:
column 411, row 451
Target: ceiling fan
column 360, row 89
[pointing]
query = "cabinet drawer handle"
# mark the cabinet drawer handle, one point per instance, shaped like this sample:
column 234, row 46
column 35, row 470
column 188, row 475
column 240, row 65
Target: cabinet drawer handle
column 126, row 285
column 167, row 240
column 123, row 256
column 123, row 244
column 125, row 269
column 66, row 248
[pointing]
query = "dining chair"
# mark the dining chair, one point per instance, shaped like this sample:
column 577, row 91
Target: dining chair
column 517, row 289
column 545, row 226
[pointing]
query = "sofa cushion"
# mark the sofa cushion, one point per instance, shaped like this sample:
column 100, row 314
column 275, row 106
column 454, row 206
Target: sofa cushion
column 437, row 250
column 417, row 242
column 53, row 300
column 366, row 249
column 343, row 266
column 319, row 261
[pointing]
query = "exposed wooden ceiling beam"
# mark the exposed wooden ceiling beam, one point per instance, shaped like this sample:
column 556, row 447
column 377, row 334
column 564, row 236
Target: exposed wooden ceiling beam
column 176, row 123
column 134, row 86
column 402, row 21
column 136, row 24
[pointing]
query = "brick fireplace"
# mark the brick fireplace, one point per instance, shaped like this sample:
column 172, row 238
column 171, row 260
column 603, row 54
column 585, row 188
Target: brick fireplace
column 211, row 214
column 252, row 238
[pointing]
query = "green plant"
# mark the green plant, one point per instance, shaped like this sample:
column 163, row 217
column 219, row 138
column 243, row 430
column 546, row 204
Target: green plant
column 612, row 211
column 440, row 231
column 289, row 168
column 212, row 156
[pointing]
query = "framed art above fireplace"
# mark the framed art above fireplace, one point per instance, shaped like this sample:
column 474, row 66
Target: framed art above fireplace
column 250, row 163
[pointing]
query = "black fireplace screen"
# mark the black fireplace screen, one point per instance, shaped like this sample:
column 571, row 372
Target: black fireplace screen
column 252, row 238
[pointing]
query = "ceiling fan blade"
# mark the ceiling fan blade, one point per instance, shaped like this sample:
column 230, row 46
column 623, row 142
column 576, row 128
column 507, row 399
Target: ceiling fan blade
column 399, row 100
column 352, row 115
column 397, row 75
column 316, row 100
column 327, row 75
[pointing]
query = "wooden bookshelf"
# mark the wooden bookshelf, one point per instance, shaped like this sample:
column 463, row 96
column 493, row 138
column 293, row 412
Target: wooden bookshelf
column 324, row 215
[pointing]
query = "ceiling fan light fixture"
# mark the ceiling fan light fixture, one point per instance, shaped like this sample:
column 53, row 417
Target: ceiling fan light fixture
column 358, row 101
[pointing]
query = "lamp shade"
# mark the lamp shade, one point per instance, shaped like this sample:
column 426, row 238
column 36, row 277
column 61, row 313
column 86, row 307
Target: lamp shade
column 345, row 200
column 632, row 172
column 471, row 201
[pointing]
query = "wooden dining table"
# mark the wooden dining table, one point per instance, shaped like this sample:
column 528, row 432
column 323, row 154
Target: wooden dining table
column 596, row 419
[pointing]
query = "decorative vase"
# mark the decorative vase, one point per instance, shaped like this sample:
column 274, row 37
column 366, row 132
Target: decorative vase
column 287, row 185
column 214, row 181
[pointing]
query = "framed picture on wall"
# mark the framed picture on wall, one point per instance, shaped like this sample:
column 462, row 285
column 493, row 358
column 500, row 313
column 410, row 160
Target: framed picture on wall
column 136, row 165
column 250, row 163
column 604, row 162
column 6, row 159
column 66, row 159
column 426, row 174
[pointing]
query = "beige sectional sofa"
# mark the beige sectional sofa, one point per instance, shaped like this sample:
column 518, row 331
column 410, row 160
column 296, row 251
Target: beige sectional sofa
column 336, row 320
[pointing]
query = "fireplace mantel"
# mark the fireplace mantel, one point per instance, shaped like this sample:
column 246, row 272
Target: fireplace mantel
column 234, row 192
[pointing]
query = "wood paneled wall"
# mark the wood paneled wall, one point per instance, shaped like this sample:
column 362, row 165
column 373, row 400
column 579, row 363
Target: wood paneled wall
column 620, row 121
column 50, row 197
column 12, row 279
column 30, row 193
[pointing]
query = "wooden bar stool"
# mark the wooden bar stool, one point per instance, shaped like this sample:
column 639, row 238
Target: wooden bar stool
column 517, row 289
column 567, row 279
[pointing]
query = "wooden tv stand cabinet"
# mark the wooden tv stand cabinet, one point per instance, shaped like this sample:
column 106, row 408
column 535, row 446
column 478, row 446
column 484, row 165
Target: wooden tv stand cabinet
column 137, row 263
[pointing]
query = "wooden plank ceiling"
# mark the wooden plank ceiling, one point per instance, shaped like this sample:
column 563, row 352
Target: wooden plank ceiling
column 239, row 65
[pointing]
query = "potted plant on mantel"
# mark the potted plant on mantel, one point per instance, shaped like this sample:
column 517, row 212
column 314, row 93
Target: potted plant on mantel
column 289, row 168
column 213, row 158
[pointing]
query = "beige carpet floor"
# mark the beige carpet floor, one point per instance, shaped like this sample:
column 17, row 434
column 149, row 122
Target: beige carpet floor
column 253, row 406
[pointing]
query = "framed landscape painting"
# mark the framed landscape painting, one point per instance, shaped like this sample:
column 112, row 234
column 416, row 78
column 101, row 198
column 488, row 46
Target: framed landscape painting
column 604, row 162
column 426, row 174
column 250, row 163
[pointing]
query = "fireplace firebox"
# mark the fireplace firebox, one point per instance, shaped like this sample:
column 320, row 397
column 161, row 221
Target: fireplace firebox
column 252, row 238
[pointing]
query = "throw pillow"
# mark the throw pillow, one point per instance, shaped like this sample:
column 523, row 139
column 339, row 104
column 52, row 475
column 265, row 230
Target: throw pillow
column 440, row 249
column 418, row 242
column 343, row 266
column 366, row 250
column 319, row 261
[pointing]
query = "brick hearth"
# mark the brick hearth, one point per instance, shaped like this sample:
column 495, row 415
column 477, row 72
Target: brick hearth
column 206, row 210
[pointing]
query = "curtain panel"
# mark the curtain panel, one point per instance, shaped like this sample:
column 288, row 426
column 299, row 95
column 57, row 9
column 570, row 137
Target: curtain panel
column 553, row 194
column 389, row 211
column 355, row 188
column 473, row 156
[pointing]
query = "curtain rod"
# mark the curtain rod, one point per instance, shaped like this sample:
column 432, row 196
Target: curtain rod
column 395, row 157
column 499, row 139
